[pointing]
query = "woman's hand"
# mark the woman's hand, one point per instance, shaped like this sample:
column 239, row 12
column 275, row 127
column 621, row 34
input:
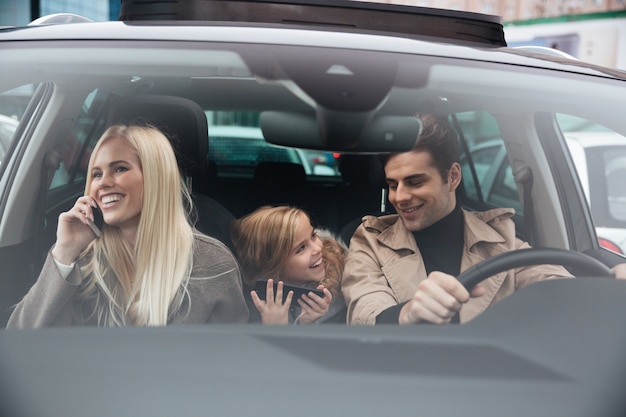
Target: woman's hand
column 313, row 306
column 73, row 231
column 272, row 309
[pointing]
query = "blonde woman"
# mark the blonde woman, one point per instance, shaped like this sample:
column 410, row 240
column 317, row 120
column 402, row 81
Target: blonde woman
column 149, row 266
column 279, row 244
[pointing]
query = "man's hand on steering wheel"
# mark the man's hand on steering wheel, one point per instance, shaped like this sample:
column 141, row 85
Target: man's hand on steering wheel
column 437, row 299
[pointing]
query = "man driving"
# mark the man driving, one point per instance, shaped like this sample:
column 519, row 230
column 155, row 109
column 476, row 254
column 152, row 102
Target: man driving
column 402, row 268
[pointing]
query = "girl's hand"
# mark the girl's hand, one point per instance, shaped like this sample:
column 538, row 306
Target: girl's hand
column 313, row 306
column 73, row 231
column 272, row 309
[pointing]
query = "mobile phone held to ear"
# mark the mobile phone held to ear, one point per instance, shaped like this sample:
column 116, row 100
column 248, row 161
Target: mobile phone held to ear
column 298, row 291
column 98, row 221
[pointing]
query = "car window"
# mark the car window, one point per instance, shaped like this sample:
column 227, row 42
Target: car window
column 237, row 146
column 487, row 175
column 482, row 158
column 599, row 155
column 78, row 145
column 12, row 106
column 504, row 193
column 569, row 123
column 236, row 151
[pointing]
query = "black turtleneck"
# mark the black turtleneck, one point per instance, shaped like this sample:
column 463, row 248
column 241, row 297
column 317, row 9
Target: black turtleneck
column 441, row 246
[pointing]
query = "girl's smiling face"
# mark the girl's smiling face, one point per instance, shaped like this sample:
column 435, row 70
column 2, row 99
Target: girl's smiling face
column 304, row 264
column 117, row 185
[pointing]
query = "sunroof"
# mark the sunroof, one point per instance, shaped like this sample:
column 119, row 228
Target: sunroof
column 403, row 20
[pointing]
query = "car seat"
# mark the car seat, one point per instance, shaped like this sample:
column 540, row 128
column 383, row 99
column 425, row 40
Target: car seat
column 364, row 192
column 184, row 122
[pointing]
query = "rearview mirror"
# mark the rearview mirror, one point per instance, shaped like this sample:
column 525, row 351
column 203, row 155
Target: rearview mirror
column 341, row 131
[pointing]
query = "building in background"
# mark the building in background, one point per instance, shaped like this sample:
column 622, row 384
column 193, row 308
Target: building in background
column 22, row 12
column 590, row 30
column 520, row 10
column 600, row 40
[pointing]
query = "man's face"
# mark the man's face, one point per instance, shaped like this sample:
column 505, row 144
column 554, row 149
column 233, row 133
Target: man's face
column 417, row 191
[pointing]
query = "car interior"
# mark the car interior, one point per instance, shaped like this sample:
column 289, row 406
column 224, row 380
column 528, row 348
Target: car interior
column 292, row 102
column 336, row 202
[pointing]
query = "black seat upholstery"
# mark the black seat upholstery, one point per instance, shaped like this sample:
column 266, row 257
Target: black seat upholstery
column 184, row 122
column 279, row 183
column 364, row 180
column 279, row 174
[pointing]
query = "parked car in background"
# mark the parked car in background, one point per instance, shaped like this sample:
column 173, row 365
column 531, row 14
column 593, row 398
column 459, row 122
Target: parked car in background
column 330, row 159
column 337, row 76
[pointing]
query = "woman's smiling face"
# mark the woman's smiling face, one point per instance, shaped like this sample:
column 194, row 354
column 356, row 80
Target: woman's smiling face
column 117, row 184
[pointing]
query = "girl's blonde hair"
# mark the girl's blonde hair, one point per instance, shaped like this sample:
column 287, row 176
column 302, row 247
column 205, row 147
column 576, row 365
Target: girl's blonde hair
column 264, row 240
column 145, row 283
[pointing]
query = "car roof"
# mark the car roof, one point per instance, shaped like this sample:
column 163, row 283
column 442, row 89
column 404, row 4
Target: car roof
column 155, row 31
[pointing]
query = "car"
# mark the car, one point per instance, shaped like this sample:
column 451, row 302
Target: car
column 600, row 159
column 330, row 159
column 330, row 76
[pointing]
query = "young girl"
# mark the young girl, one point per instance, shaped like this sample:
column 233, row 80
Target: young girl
column 280, row 244
column 149, row 267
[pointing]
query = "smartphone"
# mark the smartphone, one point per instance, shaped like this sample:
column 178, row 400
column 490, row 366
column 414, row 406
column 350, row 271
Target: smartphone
column 298, row 291
column 98, row 221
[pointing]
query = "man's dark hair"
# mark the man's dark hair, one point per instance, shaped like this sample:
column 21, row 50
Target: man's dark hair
column 439, row 140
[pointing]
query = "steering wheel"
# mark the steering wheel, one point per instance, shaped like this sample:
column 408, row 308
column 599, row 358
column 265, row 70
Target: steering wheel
column 526, row 257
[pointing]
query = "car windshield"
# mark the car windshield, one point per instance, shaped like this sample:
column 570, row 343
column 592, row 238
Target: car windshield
column 308, row 105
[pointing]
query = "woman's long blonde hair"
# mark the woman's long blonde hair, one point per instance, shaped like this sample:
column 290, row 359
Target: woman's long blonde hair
column 145, row 283
column 264, row 240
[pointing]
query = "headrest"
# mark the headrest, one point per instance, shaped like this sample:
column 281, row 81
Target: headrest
column 183, row 121
column 279, row 174
column 361, row 170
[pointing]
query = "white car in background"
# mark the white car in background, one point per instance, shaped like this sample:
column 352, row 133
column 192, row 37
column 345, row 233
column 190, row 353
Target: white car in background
column 7, row 127
column 600, row 159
